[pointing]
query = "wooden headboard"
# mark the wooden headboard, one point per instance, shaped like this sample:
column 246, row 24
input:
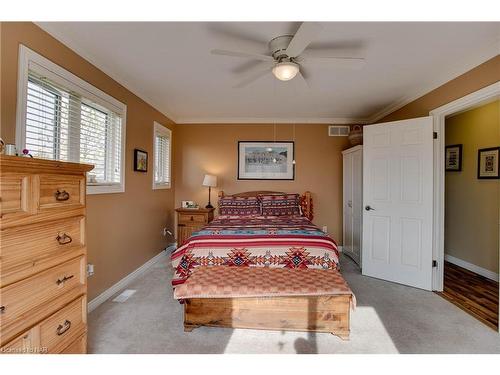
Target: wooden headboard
column 306, row 202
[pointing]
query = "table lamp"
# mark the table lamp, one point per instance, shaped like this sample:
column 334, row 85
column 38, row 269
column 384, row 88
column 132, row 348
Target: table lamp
column 210, row 181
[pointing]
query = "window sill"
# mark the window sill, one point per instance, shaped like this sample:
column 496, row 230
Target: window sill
column 105, row 189
column 161, row 186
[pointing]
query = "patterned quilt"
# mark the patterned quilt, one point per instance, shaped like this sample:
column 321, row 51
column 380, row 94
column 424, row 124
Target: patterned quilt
column 271, row 241
column 223, row 282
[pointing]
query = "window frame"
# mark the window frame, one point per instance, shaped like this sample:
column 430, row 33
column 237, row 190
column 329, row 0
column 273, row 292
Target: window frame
column 159, row 129
column 30, row 60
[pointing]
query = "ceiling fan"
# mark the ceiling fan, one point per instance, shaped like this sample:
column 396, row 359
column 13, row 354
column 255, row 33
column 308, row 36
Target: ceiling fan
column 289, row 54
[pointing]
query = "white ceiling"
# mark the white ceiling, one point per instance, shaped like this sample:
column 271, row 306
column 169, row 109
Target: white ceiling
column 169, row 65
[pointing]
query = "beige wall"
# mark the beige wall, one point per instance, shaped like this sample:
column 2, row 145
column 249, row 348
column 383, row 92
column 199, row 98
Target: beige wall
column 213, row 149
column 475, row 79
column 124, row 229
column 472, row 205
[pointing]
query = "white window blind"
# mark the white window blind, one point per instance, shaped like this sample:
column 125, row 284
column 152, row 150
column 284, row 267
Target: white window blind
column 162, row 154
column 62, row 124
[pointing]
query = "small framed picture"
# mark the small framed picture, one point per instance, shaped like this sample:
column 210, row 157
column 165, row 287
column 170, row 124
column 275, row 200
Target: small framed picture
column 189, row 204
column 453, row 158
column 487, row 163
column 140, row 160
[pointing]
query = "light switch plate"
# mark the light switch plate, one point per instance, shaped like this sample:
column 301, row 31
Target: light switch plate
column 90, row 269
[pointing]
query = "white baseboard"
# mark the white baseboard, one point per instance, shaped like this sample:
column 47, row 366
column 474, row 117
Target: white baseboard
column 108, row 293
column 472, row 267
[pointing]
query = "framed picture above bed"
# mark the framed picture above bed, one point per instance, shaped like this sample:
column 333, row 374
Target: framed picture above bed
column 263, row 160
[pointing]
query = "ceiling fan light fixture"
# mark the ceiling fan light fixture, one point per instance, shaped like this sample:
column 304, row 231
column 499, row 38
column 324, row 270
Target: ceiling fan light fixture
column 285, row 70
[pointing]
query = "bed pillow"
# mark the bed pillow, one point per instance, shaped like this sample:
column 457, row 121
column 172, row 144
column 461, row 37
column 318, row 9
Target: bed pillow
column 280, row 205
column 239, row 206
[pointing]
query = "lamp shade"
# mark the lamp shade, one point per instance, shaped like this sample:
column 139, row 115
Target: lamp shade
column 210, row 180
column 286, row 70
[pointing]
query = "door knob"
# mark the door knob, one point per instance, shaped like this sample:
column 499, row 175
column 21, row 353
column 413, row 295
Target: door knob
column 368, row 208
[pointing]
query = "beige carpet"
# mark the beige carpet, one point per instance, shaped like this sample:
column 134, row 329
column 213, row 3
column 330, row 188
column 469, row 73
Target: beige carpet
column 390, row 318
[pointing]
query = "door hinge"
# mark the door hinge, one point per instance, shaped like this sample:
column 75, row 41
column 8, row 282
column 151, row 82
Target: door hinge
column 434, row 263
column 435, row 135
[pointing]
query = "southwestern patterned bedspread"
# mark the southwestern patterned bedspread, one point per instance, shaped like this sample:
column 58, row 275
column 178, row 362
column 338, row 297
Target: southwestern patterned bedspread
column 258, row 241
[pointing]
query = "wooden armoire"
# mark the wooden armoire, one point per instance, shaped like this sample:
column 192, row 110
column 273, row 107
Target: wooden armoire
column 353, row 202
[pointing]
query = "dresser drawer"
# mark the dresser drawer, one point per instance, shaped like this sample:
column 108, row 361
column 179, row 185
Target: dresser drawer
column 29, row 249
column 27, row 343
column 192, row 219
column 79, row 346
column 18, row 300
column 15, row 194
column 60, row 329
column 62, row 332
column 60, row 191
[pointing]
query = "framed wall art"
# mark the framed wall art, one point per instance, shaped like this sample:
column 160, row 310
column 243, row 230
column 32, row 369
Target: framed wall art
column 487, row 163
column 262, row 160
column 140, row 160
column 453, row 158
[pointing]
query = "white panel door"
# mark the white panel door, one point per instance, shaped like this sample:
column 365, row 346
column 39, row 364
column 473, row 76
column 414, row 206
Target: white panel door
column 397, row 201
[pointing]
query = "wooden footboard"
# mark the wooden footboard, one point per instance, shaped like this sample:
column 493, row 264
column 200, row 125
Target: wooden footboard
column 301, row 313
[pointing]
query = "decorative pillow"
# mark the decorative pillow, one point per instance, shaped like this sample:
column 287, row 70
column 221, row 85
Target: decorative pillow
column 240, row 206
column 280, row 205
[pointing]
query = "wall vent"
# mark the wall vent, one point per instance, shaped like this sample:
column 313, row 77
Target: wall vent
column 338, row 130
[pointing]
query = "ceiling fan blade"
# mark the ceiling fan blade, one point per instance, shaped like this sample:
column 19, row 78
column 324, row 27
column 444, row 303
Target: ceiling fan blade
column 258, row 72
column 250, row 55
column 335, row 62
column 247, row 66
column 332, row 52
column 238, row 32
column 302, row 80
column 303, row 37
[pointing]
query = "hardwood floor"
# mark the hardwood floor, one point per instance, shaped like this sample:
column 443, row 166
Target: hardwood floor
column 473, row 293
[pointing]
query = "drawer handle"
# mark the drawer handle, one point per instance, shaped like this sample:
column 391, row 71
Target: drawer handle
column 2, row 309
column 64, row 279
column 63, row 328
column 64, row 239
column 61, row 196
column 192, row 218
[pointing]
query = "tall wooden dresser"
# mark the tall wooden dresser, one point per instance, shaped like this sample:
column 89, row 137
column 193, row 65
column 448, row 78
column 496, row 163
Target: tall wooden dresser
column 43, row 281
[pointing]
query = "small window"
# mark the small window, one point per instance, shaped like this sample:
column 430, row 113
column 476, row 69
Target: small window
column 62, row 117
column 162, row 141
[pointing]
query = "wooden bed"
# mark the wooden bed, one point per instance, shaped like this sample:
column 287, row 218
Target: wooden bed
column 322, row 313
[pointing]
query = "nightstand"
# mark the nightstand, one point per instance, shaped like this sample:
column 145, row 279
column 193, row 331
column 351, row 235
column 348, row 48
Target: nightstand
column 191, row 220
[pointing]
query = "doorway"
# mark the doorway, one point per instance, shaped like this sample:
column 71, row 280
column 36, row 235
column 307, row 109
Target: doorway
column 471, row 237
column 404, row 182
column 466, row 206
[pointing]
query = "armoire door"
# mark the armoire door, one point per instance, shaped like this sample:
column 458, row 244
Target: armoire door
column 357, row 205
column 347, row 209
